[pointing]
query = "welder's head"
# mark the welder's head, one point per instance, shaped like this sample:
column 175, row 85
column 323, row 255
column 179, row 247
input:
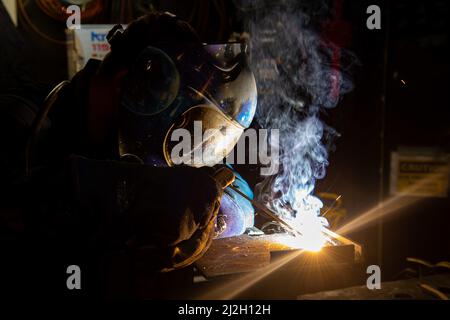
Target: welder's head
column 181, row 101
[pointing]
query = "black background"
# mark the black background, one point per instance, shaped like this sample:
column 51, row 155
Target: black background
column 413, row 45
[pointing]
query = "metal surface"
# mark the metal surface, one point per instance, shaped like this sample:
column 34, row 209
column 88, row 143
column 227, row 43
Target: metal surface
column 411, row 289
column 275, row 217
column 245, row 253
column 241, row 260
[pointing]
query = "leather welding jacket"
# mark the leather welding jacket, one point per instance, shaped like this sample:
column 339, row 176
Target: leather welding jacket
column 114, row 220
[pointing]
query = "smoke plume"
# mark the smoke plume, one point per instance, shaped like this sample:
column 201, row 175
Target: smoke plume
column 297, row 79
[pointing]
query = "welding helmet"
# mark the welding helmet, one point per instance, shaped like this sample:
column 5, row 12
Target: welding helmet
column 186, row 103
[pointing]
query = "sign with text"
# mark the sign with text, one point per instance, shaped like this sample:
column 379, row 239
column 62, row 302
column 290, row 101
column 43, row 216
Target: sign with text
column 88, row 42
column 419, row 175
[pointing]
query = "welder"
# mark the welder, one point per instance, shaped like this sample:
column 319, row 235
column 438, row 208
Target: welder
column 95, row 173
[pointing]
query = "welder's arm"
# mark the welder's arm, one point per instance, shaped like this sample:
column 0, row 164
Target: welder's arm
column 166, row 214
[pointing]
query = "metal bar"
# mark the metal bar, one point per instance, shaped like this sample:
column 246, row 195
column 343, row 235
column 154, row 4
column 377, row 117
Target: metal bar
column 270, row 214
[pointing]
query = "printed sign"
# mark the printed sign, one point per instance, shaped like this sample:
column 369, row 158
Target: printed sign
column 86, row 43
column 419, row 175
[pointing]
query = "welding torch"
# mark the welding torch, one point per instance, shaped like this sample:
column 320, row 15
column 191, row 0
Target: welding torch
column 225, row 174
column 227, row 178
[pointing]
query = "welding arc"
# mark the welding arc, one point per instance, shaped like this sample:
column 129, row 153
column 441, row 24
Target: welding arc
column 267, row 212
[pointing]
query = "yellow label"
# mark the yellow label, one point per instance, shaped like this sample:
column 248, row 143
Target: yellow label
column 422, row 178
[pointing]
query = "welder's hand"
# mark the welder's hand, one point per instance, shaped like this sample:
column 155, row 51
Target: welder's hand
column 170, row 213
column 188, row 203
column 175, row 207
column 236, row 213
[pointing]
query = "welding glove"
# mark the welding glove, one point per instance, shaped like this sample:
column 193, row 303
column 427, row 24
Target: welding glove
column 166, row 216
column 236, row 213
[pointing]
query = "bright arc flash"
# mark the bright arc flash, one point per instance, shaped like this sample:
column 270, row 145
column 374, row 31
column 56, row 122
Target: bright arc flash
column 232, row 289
column 295, row 242
column 308, row 223
column 390, row 207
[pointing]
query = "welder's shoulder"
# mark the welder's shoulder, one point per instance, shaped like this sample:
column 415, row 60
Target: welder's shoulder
column 64, row 107
column 72, row 98
column 18, row 112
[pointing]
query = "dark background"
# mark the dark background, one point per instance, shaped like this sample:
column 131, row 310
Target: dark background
column 413, row 45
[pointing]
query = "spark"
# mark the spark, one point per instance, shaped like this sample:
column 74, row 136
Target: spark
column 233, row 288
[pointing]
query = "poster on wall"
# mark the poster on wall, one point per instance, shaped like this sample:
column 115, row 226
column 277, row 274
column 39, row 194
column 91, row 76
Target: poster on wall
column 86, row 43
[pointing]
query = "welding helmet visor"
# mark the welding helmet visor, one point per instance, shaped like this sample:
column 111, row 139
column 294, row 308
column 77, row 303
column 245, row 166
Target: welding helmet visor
column 187, row 104
column 208, row 134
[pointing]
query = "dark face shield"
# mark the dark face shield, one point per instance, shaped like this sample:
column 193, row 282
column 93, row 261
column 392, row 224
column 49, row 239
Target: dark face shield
column 187, row 104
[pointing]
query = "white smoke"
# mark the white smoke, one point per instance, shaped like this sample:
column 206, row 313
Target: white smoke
column 296, row 80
